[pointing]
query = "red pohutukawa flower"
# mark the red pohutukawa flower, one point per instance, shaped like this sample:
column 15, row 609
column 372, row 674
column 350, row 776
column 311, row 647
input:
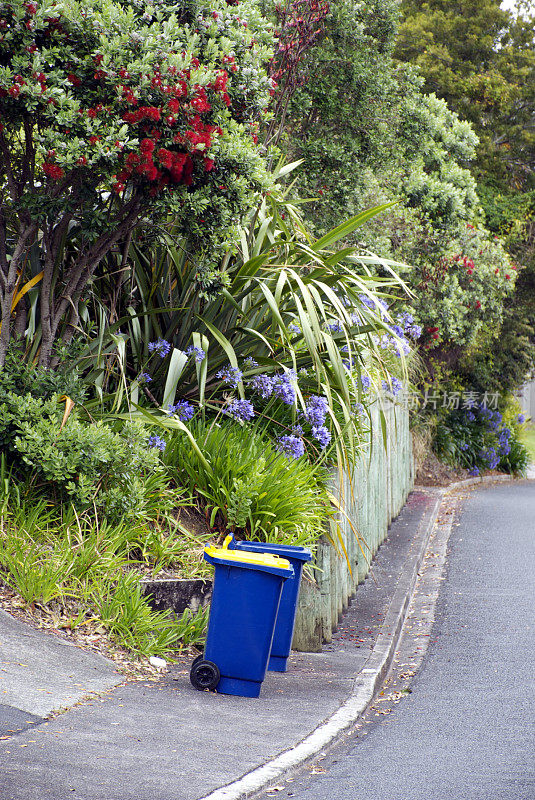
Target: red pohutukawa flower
column 53, row 171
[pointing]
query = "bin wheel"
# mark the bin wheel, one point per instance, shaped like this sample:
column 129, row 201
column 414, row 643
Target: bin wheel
column 204, row 674
column 196, row 660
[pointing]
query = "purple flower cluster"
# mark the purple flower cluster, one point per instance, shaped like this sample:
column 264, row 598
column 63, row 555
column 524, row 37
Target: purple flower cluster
column 503, row 441
column 242, row 410
column 358, row 409
column 347, row 362
column 335, row 326
column 410, row 328
column 282, row 387
column 498, row 443
column 380, row 307
column 160, row 347
column 294, row 328
column 394, row 387
column 322, row 435
column 490, row 456
column 474, row 471
column 316, row 408
column 249, row 362
column 291, row 446
column 156, row 441
column 144, row 377
column 230, row 375
column 183, row 410
column 399, row 346
column 494, row 419
column 198, row 352
column 365, row 382
column 315, row 413
column 262, row 385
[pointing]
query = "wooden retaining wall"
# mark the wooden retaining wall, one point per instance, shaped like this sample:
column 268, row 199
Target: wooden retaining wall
column 371, row 497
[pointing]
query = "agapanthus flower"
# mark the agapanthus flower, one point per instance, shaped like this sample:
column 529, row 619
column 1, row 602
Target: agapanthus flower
column 230, row 375
column 406, row 321
column 316, row 409
column 322, row 435
column 394, row 387
column 283, row 389
column 491, row 457
column 144, row 377
column 291, row 446
column 156, row 441
column 367, row 301
column 474, row 471
column 241, row 410
column 183, row 410
column 160, row 347
column 294, row 328
column 400, row 348
column 198, row 352
column 380, row 307
column 335, row 326
column 347, row 362
column 521, row 419
column 249, row 362
column 262, row 385
column 365, row 382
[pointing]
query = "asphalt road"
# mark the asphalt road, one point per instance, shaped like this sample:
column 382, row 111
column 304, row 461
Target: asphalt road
column 467, row 730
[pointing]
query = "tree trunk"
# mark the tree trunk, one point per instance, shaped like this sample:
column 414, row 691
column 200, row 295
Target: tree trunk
column 10, row 288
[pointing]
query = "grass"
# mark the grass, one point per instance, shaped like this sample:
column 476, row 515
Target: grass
column 78, row 571
column 528, row 438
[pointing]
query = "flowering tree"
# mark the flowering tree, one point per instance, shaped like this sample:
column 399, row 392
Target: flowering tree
column 113, row 113
column 461, row 296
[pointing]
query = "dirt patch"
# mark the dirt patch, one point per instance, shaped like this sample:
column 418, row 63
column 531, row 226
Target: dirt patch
column 434, row 473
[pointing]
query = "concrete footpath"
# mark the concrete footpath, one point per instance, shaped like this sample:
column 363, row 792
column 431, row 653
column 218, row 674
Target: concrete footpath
column 166, row 741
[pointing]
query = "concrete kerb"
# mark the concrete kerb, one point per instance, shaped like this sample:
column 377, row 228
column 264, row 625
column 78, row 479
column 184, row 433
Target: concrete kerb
column 370, row 678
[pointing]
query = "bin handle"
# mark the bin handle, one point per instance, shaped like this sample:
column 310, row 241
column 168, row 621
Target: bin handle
column 228, row 540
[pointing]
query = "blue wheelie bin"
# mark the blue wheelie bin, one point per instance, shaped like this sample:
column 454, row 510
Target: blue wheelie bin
column 284, row 628
column 245, row 600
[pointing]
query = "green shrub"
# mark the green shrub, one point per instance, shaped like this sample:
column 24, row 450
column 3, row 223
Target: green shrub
column 18, row 377
column 480, row 438
column 88, row 463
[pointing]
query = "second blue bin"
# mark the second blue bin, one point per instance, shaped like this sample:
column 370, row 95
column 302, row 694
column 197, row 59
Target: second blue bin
column 284, row 627
column 245, row 600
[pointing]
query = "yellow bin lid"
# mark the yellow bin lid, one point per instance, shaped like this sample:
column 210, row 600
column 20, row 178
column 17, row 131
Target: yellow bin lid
column 271, row 561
